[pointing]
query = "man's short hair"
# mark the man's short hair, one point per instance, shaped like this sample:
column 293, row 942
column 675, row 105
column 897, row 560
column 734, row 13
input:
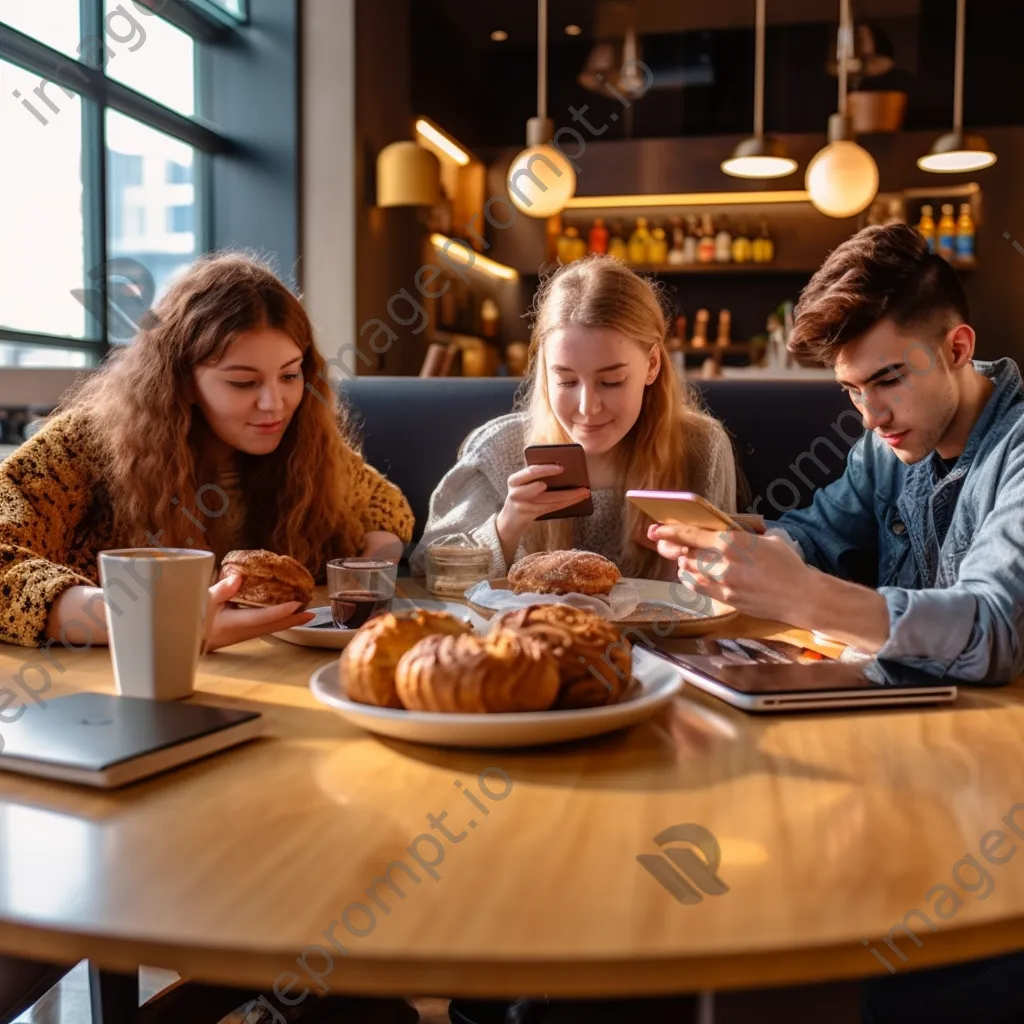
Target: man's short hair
column 883, row 271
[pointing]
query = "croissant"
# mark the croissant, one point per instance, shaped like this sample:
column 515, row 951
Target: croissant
column 368, row 662
column 595, row 663
column 500, row 672
column 563, row 572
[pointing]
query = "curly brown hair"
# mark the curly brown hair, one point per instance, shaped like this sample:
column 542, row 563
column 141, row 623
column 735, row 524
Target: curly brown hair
column 883, row 271
column 138, row 407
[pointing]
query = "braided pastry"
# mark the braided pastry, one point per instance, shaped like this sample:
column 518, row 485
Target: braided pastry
column 368, row 662
column 595, row 663
column 563, row 572
column 503, row 671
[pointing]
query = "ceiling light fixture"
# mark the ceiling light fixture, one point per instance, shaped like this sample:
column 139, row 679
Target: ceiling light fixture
column 759, row 156
column 440, row 142
column 955, row 151
column 541, row 194
column 842, row 177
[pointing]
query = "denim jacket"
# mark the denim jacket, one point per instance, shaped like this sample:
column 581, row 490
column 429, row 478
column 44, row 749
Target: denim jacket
column 955, row 608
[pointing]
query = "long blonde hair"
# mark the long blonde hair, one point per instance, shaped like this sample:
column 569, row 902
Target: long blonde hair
column 137, row 407
column 599, row 291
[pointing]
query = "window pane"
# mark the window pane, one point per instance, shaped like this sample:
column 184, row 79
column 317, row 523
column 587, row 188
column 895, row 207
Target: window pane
column 151, row 56
column 53, row 22
column 40, row 355
column 42, row 254
column 235, row 7
column 152, row 211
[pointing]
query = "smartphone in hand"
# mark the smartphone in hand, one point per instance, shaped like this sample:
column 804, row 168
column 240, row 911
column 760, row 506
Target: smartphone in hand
column 574, row 474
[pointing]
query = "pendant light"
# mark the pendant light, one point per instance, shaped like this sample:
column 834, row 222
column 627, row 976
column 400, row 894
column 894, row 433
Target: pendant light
column 842, row 178
column 758, row 156
column 540, row 179
column 955, row 151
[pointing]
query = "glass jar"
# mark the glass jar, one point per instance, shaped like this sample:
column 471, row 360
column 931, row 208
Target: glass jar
column 454, row 564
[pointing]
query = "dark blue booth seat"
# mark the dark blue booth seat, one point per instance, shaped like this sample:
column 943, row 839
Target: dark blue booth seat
column 790, row 436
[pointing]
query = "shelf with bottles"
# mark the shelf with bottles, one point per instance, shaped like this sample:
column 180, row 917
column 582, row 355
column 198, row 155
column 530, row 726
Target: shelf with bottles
column 674, row 244
column 948, row 218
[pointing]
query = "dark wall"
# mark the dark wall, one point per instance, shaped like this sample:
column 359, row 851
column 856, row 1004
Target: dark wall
column 388, row 241
column 254, row 89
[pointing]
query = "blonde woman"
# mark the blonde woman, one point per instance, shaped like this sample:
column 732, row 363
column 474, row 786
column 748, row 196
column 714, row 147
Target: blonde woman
column 598, row 375
column 202, row 433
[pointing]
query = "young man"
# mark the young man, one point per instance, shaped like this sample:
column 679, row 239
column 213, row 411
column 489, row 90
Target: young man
column 934, row 490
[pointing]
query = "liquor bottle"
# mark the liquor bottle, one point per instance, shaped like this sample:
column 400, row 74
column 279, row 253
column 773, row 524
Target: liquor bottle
column 724, row 324
column 598, row 237
column 567, row 245
column 691, row 240
column 764, row 247
column 946, row 242
column 895, row 214
column 742, row 251
column 617, row 242
column 676, row 345
column 680, row 334
column 657, row 248
column 706, row 242
column 700, row 329
column 676, row 254
column 965, row 235
column 638, row 242
column 926, row 226
column 723, row 242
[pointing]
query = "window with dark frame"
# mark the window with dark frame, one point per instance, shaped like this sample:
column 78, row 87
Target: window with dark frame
column 105, row 180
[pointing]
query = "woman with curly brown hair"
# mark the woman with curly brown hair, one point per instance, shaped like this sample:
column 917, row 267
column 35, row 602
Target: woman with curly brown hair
column 202, row 433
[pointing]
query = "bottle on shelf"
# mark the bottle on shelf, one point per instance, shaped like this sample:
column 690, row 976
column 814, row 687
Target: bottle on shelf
column 706, row 242
column 570, row 244
column 700, row 329
column 598, row 236
column 617, row 242
column 657, row 248
column 724, row 325
column 691, row 240
column 723, row 242
column 965, row 235
column 763, row 247
column 680, row 334
column 675, row 254
column 638, row 241
column 742, row 250
column 489, row 317
column 926, row 226
column 895, row 214
column 676, row 345
column 946, row 232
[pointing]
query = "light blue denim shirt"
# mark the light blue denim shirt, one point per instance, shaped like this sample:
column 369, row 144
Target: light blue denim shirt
column 956, row 607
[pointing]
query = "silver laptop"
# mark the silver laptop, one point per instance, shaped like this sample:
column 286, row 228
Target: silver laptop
column 766, row 683
column 100, row 740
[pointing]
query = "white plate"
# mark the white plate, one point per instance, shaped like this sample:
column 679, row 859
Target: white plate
column 329, row 636
column 655, row 683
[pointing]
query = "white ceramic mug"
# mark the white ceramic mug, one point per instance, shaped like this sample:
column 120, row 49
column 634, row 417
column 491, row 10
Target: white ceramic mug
column 156, row 601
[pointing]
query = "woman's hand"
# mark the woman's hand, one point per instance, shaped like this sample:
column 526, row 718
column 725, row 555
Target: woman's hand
column 528, row 499
column 226, row 626
column 382, row 544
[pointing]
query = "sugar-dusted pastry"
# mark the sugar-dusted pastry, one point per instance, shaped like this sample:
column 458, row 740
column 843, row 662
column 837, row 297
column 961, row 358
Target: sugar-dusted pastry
column 368, row 661
column 267, row 579
column 563, row 572
column 595, row 663
column 501, row 672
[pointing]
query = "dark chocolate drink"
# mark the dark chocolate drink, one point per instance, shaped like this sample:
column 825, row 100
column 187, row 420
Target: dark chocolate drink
column 351, row 608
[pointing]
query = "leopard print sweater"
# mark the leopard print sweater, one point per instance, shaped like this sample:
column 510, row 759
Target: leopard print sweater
column 55, row 518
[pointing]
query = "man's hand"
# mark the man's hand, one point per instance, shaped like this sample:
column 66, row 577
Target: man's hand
column 226, row 626
column 761, row 576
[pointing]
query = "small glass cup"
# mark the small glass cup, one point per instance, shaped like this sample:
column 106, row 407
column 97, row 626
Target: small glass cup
column 454, row 564
column 359, row 589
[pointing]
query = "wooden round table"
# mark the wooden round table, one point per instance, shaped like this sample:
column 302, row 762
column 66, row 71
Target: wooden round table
column 325, row 857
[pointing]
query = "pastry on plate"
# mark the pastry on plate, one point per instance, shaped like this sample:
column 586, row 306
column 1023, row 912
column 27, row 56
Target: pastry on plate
column 595, row 662
column 504, row 671
column 368, row 662
column 563, row 572
column 267, row 579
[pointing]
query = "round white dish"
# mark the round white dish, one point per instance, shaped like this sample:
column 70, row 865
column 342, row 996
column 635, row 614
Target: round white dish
column 322, row 632
column 655, row 683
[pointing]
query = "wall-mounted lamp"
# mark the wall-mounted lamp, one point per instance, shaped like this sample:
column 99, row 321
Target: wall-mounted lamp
column 459, row 251
column 408, row 175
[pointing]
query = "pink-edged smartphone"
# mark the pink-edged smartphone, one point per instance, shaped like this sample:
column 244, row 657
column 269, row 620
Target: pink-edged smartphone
column 573, row 461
